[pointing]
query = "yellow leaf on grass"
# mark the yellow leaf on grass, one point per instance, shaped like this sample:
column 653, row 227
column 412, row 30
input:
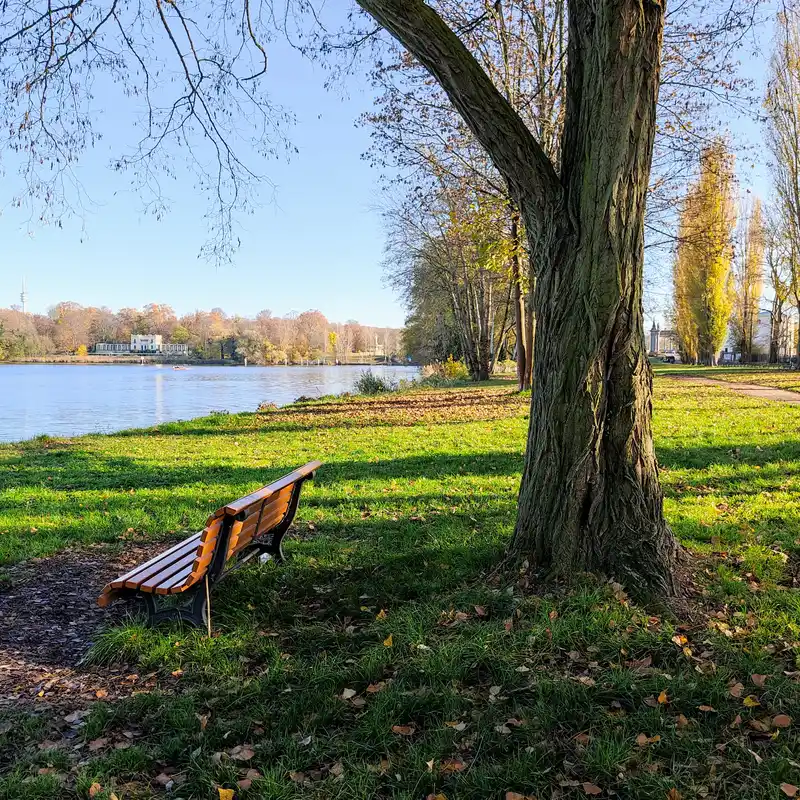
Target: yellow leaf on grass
column 225, row 794
column 381, row 614
column 751, row 701
column 662, row 698
column 388, row 641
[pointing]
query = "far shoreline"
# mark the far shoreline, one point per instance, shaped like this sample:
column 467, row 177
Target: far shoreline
column 172, row 362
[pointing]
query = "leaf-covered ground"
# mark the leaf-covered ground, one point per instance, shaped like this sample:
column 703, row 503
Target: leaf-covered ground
column 385, row 660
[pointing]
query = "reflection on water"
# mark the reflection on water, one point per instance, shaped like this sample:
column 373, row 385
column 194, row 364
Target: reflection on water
column 68, row 400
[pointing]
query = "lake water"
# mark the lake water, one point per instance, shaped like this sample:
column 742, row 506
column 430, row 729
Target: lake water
column 71, row 399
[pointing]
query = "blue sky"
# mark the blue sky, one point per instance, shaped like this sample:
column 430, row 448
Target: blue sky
column 317, row 244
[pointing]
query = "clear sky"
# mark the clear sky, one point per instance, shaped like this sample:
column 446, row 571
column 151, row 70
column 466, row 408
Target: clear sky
column 317, row 245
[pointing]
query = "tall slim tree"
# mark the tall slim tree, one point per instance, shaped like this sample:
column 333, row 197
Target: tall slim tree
column 749, row 279
column 702, row 270
column 783, row 137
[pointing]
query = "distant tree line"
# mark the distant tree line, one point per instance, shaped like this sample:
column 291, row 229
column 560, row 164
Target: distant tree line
column 70, row 328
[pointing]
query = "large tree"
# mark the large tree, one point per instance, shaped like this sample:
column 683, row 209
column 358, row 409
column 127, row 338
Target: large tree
column 749, row 279
column 590, row 497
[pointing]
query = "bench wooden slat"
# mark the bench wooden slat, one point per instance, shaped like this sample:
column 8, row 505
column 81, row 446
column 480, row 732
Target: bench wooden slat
column 274, row 511
column 178, row 550
column 192, row 548
column 287, row 480
column 161, row 573
column 179, row 582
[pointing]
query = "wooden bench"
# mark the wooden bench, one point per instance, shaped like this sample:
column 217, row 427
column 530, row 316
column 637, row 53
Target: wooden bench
column 253, row 525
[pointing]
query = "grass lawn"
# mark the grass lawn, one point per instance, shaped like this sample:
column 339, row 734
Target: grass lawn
column 382, row 660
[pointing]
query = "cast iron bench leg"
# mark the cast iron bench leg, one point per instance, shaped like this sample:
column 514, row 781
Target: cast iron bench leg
column 193, row 611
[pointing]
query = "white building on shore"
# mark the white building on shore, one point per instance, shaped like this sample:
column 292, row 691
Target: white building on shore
column 152, row 343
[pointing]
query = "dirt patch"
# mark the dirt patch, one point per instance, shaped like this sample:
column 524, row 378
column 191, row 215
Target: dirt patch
column 48, row 620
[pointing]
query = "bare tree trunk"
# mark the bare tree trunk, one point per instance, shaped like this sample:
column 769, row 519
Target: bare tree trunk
column 519, row 303
column 530, row 339
column 590, row 497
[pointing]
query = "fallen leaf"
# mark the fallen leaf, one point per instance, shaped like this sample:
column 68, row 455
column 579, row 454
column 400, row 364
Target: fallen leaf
column 348, row 693
column 100, row 694
column 518, row 796
column 429, row 765
column 756, row 756
column 450, row 765
column 225, row 794
column 759, row 680
column 662, row 698
column 242, row 752
column 707, row 708
column 480, row 611
column 388, row 641
column 673, row 794
column 781, row 721
column 582, row 738
column 373, row 688
column 458, row 726
column 789, row 789
column 244, row 783
column 337, row 769
column 439, row 796
column 252, row 774
column 681, row 721
column 736, row 690
column 590, row 788
column 381, row 614
column 553, row 615
column 95, row 789
column 403, row 730
column 97, row 744
column 177, row 674
column 751, row 701
column 297, row 777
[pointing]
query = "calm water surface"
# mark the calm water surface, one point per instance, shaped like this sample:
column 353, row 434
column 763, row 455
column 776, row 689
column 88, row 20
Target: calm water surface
column 68, row 399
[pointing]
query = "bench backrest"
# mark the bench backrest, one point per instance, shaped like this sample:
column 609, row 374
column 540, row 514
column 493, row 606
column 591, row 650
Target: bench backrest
column 235, row 525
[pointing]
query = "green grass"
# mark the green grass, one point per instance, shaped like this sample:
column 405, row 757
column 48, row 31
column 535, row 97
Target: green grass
column 488, row 689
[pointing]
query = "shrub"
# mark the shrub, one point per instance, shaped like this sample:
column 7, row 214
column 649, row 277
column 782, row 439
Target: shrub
column 370, row 383
column 455, row 370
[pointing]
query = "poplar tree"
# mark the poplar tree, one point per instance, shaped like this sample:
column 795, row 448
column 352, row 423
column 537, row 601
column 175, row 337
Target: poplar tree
column 702, row 270
column 749, row 279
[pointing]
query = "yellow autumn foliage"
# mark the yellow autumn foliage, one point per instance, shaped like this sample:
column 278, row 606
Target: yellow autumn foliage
column 702, row 270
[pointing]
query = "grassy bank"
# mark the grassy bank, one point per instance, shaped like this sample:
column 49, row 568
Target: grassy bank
column 382, row 661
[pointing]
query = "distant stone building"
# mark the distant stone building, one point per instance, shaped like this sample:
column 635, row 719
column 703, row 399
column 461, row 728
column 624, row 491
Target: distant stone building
column 142, row 343
column 662, row 341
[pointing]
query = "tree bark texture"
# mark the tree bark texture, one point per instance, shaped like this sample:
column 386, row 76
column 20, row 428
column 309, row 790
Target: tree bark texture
column 590, row 498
